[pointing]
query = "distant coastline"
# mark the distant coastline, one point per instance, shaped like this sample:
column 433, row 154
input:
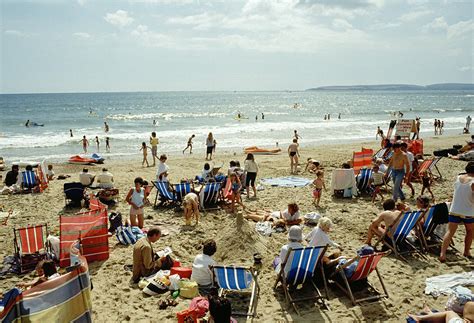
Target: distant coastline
column 398, row 87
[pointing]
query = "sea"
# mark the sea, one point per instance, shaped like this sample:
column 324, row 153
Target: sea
column 268, row 119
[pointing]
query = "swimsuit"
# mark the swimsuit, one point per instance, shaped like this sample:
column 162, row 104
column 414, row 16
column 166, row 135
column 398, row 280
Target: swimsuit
column 292, row 153
column 317, row 192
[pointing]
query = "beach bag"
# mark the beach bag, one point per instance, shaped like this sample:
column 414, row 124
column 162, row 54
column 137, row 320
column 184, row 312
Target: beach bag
column 155, row 287
column 125, row 235
column 188, row 288
column 115, row 220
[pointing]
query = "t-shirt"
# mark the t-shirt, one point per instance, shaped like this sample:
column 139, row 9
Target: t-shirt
column 378, row 178
column 85, row 178
column 50, row 172
column 209, row 142
column 11, row 178
column 251, row 166
column 411, row 158
column 105, row 180
column 288, row 217
column 318, row 238
column 162, row 168
column 201, row 273
column 284, row 251
column 154, row 141
column 463, row 199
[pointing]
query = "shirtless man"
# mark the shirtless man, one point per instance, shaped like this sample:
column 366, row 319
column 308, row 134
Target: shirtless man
column 388, row 217
column 409, row 171
column 399, row 162
column 294, row 154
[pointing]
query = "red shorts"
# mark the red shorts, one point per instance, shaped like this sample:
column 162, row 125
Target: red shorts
column 317, row 192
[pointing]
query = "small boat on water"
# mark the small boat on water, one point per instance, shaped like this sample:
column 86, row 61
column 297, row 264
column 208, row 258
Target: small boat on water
column 261, row 151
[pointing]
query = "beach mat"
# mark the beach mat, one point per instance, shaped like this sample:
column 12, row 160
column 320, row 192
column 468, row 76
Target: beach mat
column 287, row 181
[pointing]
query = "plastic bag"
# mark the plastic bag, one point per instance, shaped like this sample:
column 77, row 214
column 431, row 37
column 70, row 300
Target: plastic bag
column 174, row 282
column 264, row 228
column 188, row 288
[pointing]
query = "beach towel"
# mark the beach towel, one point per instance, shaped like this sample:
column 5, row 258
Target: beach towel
column 446, row 284
column 288, row 181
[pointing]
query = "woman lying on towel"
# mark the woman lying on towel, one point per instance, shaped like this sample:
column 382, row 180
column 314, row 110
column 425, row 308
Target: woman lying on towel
column 291, row 216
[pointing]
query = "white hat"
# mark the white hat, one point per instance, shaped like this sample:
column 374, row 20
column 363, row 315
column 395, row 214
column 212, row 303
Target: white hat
column 295, row 233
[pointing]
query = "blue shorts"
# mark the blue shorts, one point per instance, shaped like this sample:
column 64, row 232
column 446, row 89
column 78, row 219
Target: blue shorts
column 458, row 219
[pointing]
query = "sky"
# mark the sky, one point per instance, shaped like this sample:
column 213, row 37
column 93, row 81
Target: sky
column 183, row 45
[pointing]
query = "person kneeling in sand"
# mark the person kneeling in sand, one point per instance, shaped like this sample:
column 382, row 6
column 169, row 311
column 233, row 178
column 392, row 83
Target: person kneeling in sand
column 388, row 217
column 144, row 262
column 191, row 208
column 290, row 216
column 201, row 273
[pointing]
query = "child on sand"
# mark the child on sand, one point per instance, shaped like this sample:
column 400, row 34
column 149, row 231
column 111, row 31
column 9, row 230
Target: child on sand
column 191, row 208
column 50, row 173
column 145, row 154
column 190, row 144
column 107, row 144
column 427, row 180
column 318, row 187
column 136, row 199
column 377, row 180
column 236, row 187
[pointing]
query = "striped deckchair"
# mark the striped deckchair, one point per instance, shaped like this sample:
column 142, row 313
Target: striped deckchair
column 380, row 153
column 209, row 195
column 365, row 266
column 395, row 236
column 162, row 190
column 90, row 228
column 429, row 165
column 28, row 180
column 236, row 279
column 429, row 237
column 298, row 267
column 181, row 190
column 362, row 159
column 62, row 299
column 30, row 246
column 363, row 180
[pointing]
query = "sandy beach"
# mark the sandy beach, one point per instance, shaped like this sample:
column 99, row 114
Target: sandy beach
column 114, row 300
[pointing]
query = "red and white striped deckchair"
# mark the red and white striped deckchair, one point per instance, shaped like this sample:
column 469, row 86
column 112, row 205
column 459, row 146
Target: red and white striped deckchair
column 428, row 165
column 365, row 266
column 30, row 246
column 361, row 159
column 90, row 228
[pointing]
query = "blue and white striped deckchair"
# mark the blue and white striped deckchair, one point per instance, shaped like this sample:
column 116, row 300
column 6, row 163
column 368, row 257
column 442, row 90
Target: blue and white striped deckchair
column 363, row 180
column 28, row 180
column 396, row 235
column 209, row 195
column 181, row 190
column 299, row 267
column 430, row 239
column 234, row 278
column 164, row 193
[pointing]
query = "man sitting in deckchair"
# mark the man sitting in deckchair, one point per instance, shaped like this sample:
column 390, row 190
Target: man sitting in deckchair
column 388, row 217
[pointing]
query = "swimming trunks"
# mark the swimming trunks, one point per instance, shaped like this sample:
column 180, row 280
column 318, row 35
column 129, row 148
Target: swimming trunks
column 292, row 153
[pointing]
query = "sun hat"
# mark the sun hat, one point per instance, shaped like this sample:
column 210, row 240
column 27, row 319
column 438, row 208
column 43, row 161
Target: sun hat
column 295, row 233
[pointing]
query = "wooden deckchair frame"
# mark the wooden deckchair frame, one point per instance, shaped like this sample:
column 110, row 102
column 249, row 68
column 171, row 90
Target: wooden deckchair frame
column 391, row 243
column 19, row 253
column 318, row 297
column 347, row 288
column 255, row 291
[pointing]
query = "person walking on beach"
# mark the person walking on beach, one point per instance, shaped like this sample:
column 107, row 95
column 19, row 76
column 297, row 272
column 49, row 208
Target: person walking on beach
column 296, row 136
column 263, row 117
column 85, row 143
column 251, row 170
column 409, row 171
column 435, row 126
column 399, row 162
column 461, row 211
column 107, row 144
column 210, row 146
column 190, row 144
column 145, row 154
column 154, row 146
column 379, row 133
column 416, row 135
column 106, row 127
column 468, row 122
column 97, row 143
column 441, row 126
column 294, row 154
column 70, row 133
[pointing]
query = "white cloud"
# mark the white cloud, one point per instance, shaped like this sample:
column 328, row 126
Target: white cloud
column 461, row 29
column 437, row 24
column 119, row 18
column 13, row 32
column 81, row 2
column 339, row 23
column 465, row 68
column 415, row 15
column 82, row 35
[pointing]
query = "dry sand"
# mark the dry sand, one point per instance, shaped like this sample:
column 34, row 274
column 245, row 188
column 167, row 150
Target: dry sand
column 114, row 300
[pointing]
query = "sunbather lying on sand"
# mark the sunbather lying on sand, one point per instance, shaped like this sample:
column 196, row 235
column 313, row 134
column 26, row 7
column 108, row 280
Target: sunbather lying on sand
column 290, row 216
column 446, row 316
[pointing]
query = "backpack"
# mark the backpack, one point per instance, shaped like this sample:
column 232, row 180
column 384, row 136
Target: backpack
column 115, row 220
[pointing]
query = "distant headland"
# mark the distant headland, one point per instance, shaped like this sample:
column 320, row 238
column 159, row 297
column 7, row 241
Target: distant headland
column 398, row 87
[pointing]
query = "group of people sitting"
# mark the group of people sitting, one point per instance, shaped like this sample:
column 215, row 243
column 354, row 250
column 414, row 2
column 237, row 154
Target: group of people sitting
column 103, row 180
column 14, row 180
